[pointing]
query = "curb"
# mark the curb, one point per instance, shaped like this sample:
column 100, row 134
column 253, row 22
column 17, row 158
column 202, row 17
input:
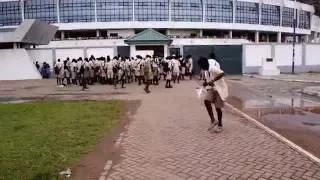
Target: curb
column 276, row 135
column 311, row 93
column 278, row 79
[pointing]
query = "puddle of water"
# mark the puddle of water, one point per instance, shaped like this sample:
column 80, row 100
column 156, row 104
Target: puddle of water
column 273, row 101
column 294, row 118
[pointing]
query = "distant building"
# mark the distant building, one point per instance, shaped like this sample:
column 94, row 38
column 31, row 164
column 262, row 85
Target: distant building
column 239, row 32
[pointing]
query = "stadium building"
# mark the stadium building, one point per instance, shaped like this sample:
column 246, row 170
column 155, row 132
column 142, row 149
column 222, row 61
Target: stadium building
column 240, row 32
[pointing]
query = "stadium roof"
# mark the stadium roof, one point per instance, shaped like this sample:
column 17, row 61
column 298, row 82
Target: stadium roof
column 30, row 31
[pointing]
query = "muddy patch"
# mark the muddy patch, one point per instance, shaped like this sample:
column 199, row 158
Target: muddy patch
column 92, row 164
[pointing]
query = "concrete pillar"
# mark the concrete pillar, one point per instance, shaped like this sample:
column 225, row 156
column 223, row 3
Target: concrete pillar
column 15, row 46
column 133, row 19
column 260, row 10
column 203, row 11
column 58, row 11
column 201, row 33
column 97, row 33
column 281, row 12
column 62, row 35
column 230, row 34
column 165, row 50
column 168, row 32
column 22, row 10
column 298, row 18
column 85, row 52
column 115, row 51
column 306, row 38
column 257, row 37
column 170, row 12
column 268, row 37
column 132, row 50
column 95, row 11
column 234, row 11
column 279, row 37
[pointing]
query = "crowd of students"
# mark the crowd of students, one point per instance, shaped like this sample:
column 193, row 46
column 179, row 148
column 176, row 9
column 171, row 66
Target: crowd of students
column 148, row 71
column 122, row 70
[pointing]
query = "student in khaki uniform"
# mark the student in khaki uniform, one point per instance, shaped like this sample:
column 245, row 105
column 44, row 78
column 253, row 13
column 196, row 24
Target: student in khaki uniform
column 190, row 66
column 217, row 91
column 139, row 69
column 148, row 76
column 115, row 68
column 168, row 70
column 109, row 68
column 176, row 69
column 57, row 70
column 122, row 72
column 73, row 68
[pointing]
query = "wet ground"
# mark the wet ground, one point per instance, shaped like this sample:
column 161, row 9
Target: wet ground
column 280, row 106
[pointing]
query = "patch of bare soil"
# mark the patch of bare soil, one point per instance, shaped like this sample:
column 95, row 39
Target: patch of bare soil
column 92, row 164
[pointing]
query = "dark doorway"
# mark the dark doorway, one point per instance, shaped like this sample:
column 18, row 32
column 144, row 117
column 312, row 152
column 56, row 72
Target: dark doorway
column 175, row 51
column 158, row 50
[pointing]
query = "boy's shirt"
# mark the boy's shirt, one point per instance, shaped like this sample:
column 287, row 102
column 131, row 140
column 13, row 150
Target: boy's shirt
column 220, row 85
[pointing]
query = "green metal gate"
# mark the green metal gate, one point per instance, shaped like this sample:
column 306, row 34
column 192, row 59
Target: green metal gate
column 229, row 56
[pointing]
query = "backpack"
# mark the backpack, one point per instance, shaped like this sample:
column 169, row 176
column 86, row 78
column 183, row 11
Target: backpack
column 56, row 70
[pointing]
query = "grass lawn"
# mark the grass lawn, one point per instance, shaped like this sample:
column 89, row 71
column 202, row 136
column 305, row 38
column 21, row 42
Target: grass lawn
column 39, row 139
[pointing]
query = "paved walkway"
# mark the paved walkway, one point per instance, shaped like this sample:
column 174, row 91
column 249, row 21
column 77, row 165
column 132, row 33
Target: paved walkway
column 168, row 137
column 168, row 140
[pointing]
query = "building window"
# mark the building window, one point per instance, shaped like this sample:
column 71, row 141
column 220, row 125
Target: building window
column 287, row 17
column 219, row 11
column 114, row 10
column 304, row 19
column 76, row 11
column 247, row 12
column 186, row 10
column 10, row 13
column 155, row 10
column 270, row 15
column 44, row 10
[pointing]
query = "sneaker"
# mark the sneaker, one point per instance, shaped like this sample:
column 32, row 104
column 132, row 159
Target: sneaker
column 219, row 129
column 212, row 125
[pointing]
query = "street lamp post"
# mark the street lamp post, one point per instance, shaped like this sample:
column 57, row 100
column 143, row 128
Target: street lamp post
column 294, row 37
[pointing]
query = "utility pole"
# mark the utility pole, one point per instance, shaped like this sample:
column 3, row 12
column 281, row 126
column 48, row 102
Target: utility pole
column 294, row 37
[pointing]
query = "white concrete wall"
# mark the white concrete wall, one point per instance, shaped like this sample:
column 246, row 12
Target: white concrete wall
column 100, row 52
column 122, row 32
column 84, row 43
column 199, row 41
column 41, row 55
column 120, row 42
column 183, row 32
column 254, row 54
column 283, row 54
column 312, row 54
column 16, row 64
column 63, row 54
